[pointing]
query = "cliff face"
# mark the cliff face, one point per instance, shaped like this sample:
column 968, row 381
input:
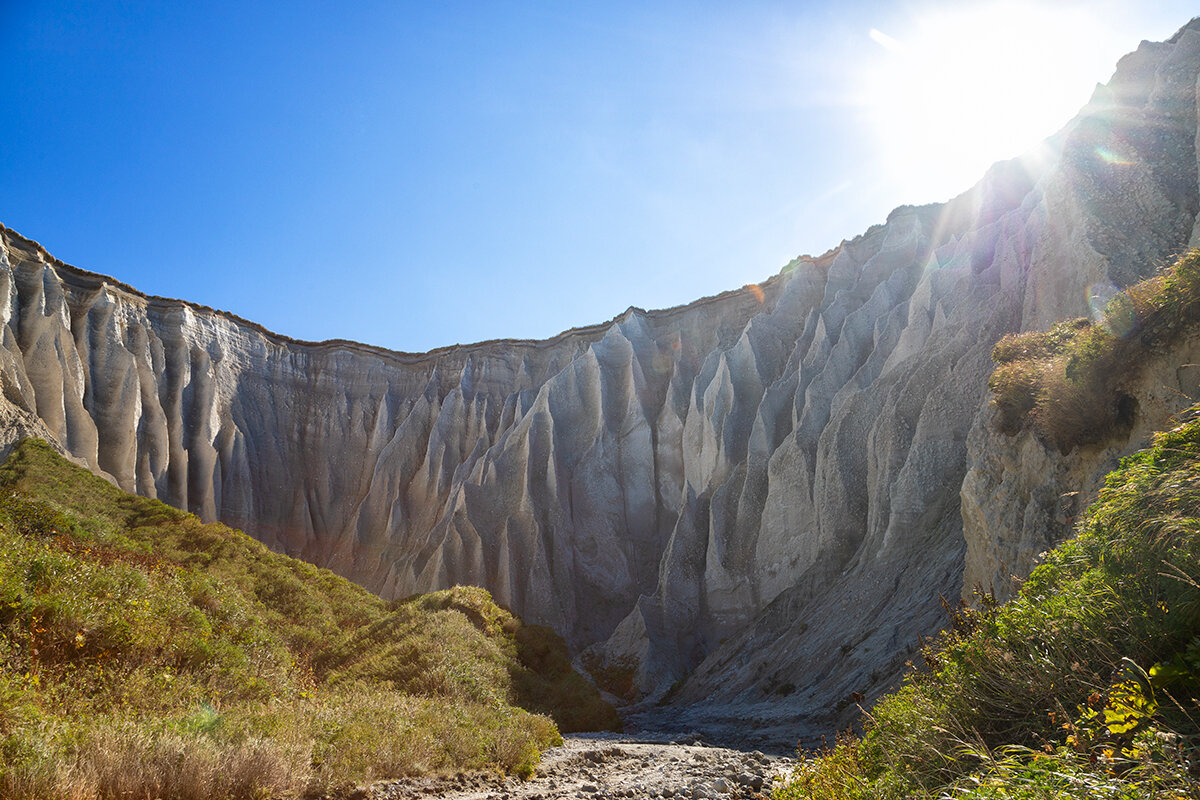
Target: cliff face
column 763, row 486
column 1021, row 496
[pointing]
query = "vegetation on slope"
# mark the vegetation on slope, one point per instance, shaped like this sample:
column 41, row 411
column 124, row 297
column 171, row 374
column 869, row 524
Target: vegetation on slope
column 1086, row 684
column 1066, row 383
column 145, row 654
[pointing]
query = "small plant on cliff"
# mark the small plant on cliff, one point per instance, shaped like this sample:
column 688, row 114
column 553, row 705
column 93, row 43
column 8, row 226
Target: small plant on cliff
column 1023, row 360
column 1067, row 383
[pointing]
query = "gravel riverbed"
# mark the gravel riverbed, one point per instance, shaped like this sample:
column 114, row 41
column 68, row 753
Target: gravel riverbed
column 604, row 766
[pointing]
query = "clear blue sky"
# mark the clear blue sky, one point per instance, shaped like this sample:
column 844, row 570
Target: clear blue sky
column 415, row 174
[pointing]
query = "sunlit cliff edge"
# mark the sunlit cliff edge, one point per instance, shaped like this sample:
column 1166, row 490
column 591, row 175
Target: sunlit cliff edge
column 765, row 490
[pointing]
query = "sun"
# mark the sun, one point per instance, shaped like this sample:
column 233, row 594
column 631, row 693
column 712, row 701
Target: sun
column 951, row 90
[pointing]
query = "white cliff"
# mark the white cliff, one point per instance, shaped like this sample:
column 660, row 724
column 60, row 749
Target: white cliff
column 760, row 489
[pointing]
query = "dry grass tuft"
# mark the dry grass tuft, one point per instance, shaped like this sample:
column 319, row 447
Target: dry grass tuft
column 1068, row 384
column 132, row 763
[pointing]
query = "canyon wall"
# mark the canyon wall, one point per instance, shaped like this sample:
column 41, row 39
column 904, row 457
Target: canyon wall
column 763, row 490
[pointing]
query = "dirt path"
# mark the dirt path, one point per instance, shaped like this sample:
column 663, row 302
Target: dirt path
column 610, row 766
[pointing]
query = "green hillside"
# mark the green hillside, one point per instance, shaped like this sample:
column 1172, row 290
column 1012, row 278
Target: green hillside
column 145, row 654
column 1086, row 684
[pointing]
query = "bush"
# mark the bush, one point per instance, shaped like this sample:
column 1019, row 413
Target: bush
column 1067, row 384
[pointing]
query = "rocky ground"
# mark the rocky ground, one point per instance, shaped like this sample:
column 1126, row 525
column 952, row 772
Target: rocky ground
column 602, row 766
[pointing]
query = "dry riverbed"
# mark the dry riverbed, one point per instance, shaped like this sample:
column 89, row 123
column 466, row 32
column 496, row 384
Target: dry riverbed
column 600, row 767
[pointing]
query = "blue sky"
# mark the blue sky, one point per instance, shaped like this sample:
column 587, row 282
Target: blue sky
column 419, row 174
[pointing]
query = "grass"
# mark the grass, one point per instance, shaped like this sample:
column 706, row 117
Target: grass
column 145, row 654
column 1068, row 384
column 459, row 644
column 1085, row 685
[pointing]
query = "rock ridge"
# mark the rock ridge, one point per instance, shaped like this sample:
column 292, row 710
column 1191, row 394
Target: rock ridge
column 15, row 240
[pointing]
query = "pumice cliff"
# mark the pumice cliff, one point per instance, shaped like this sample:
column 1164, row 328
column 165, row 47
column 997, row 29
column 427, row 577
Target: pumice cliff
column 761, row 491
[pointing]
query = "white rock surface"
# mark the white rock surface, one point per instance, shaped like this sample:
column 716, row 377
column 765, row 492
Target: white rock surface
column 762, row 488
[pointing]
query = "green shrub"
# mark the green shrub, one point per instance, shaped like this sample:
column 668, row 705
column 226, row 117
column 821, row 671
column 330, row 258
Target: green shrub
column 457, row 643
column 548, row 684
column 1067, row 383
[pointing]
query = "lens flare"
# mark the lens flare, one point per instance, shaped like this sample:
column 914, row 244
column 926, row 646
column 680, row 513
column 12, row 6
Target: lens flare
column 1112, row 158
column 1106, row 311
column 755, row 290
column 947, row 94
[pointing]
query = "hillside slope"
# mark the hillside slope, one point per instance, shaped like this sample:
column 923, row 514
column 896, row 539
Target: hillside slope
column 144, row 652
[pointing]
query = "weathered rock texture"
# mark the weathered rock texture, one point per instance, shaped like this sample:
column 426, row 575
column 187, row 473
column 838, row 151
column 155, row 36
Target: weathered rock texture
column 762, row 487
